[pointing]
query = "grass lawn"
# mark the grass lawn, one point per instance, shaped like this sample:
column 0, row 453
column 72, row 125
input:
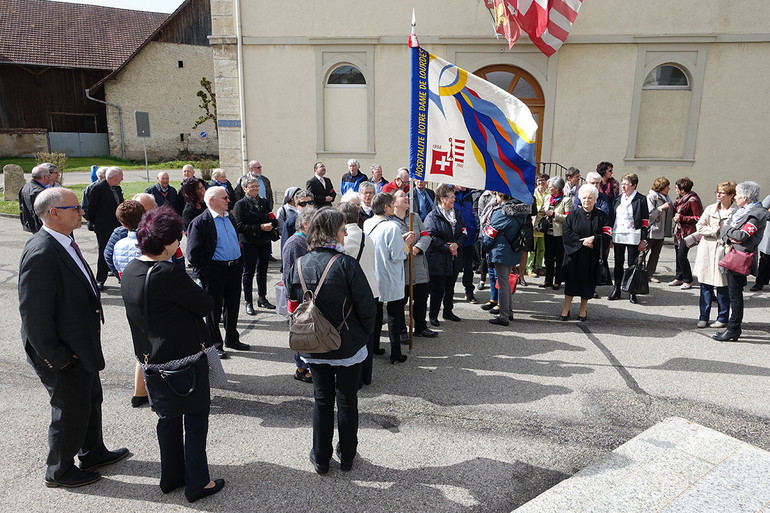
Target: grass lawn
column 85, row 163
column 129, row 189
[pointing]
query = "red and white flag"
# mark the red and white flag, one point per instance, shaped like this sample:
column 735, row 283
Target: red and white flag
column 561, row 16
column 547, row 22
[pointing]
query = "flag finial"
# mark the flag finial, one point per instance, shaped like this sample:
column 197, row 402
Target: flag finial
column 413, row 43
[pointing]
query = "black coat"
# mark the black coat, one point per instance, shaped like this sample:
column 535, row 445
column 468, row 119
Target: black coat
column 640, row 210
column 174, row 326
column 102, row 206
column 321, row 191
column 341, row 289
column 440, row 260
column 239, row 192
column 249, row 214
column 27, row 194
column 202, row 242
column 60, row 312
column 580, row 262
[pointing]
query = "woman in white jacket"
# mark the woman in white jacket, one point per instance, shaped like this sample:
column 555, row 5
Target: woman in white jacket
column 711, row 249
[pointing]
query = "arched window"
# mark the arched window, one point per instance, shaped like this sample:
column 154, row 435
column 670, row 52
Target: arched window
column 345, row 110
column 346, row 76
column 523, row 86
column 666, row 77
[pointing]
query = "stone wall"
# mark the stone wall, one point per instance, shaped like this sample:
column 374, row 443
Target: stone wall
column 22, row 142
column 153, row 82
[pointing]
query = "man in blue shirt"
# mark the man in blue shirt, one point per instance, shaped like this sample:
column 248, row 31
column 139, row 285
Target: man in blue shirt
column 213, row 251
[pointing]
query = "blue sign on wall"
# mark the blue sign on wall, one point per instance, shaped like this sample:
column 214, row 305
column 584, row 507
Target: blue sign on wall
column 230, row 123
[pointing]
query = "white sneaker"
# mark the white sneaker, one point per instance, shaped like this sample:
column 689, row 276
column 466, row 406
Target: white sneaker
column 702, row 324
column 718, row 324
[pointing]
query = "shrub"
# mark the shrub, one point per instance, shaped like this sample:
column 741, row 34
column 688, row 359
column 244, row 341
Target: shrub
column 57, row 159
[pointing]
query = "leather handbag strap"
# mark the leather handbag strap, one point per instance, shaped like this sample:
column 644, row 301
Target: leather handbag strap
column 320, row 282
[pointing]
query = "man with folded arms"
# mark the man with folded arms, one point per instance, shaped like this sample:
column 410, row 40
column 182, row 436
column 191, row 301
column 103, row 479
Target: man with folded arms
column 61, row 313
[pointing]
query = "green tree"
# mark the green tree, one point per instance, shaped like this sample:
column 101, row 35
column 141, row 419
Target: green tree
column 208, row 104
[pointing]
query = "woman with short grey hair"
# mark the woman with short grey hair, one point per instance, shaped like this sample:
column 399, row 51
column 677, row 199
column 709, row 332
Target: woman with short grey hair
column 743, row 232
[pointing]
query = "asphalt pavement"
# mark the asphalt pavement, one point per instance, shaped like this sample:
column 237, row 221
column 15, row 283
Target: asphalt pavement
column 482, row 418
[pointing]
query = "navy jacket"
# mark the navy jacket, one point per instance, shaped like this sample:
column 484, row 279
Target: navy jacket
column 440, row 260
column 464, row 203
column 171, row 199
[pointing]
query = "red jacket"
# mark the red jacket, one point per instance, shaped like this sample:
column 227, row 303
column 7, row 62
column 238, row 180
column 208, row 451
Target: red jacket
column 689, row 208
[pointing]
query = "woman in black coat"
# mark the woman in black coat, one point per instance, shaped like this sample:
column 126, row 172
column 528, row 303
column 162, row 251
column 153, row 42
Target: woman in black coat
column 193, row 190
column 630, row 220
column 336, row 374
column 170, row 334
column 447, row 231
column 743, row 232
column 586, row 233
column 255, row 224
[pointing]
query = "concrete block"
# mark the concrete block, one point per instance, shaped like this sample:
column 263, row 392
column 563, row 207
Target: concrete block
column 13, row 180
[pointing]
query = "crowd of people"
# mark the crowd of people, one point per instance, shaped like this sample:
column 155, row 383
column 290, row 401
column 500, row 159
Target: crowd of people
column 386, row 257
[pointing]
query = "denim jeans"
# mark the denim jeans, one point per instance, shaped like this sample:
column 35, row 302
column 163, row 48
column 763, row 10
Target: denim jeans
column 707, row 293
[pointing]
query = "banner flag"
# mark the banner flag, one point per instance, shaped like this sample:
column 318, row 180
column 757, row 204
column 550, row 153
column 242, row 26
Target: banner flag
column 467, row 131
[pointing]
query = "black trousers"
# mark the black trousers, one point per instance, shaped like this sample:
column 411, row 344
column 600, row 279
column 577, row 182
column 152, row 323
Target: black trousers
column 255, row 258
column 101, row 264
column 683, row 269
column 620, row 249
column 182, row 442
column 76, row 418
column 468, row 254
column 442, row 288
column 395, row 322
column 223, row 283
column 371, row 344
column 419, row 305
column 332, row 382
column 735, row 284
column 654, row 247
column 554, row 254
column 763, row 274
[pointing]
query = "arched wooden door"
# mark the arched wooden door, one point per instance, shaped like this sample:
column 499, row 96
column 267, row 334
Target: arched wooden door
column 523, row 86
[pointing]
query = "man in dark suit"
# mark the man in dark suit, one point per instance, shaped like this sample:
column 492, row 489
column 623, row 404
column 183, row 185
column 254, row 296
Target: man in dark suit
column 41, row 180
column 60, row 326
column 105, row 198
column 214, row 252
column 424, row 199
column 321, row 187
column 163, row 194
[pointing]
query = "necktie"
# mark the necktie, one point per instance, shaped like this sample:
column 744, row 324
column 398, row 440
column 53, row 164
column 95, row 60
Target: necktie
column 90, row 277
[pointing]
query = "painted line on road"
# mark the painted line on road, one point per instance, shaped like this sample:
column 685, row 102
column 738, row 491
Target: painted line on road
column 627, row 377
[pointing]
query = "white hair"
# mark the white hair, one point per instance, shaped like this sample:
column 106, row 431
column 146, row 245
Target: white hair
column 100, row 172
column 211, row 192
column 588, row 188
column 218, row 173
column 351, row 197
column 354, row 161
column 112, row 172
column 593, row 175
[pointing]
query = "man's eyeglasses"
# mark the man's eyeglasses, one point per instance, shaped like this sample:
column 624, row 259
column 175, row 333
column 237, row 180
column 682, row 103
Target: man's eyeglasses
column 70, row 206
column 305, row 203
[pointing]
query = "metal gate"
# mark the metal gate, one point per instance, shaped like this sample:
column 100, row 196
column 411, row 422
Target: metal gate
column 79, row 144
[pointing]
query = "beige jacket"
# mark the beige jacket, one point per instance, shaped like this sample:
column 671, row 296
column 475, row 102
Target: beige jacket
column 711, row 249
column 559, row 212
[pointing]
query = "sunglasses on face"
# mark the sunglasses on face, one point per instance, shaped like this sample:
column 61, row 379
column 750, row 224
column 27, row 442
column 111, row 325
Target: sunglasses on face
column 305, row 203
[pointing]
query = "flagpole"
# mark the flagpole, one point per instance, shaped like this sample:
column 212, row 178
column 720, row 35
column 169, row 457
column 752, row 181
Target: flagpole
column 411, row 229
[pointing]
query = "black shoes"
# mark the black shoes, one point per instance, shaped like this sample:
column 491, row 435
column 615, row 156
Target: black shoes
column 222, row 354
column 489, row 305
column 170, row 488
column 108, row 458
column 427, row 333
column 250, row 309
column 379, row 351
column 139, row 400
column 319, row 468
column 756, row 287
column 74, row 479
column 727, row 334
column 100, row 286
column 564, row 317
column 205, row 492
column 499, row 321
column 264, row 303
column 471, row 299
column 434, row 322
column 240, row 346
column 583, row 318
column 632, row 298
column 399, row 359
column 345, row 466
column 615, row 294
column 449, row 316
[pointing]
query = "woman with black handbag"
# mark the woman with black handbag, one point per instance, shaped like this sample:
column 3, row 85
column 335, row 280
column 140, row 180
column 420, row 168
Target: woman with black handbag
column 256, row 227
column 165, row 311
column 743, row 232
column 630, row 223
column 586, row 232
